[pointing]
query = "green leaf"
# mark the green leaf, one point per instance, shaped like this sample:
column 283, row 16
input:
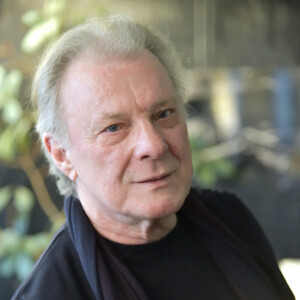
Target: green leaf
column 23, row 199
column 40, row 33
column 12, row 82
column 10, row 242
column 225, row 168
column 54, row 7
column 5, row 195
column 23, row 127
column 22, row 133
column 12, row 111
column 35, row 244
column 206, row 176
column 31, row 17
column 7, row 143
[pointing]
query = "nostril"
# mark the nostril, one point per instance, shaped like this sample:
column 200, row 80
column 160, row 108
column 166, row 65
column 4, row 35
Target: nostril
column 150, row 147
column 145, row 156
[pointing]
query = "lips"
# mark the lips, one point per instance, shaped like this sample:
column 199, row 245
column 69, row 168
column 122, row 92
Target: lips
column 155, row 178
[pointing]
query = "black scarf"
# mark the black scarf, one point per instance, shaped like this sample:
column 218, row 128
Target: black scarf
column 111, row 280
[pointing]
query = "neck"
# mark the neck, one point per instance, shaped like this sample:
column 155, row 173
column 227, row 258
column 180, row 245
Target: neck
column 131, row 231
column 146, row 231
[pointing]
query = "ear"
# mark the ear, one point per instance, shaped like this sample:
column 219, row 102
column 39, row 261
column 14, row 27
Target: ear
column 59, row 156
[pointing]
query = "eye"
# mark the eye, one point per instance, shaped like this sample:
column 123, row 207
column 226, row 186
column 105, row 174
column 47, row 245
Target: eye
column 113, row 128
column 164, row 114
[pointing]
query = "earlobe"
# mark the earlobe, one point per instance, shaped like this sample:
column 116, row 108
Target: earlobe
column 73, row 175
column 59, row 156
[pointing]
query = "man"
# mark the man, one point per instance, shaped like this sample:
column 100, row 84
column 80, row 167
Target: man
column 111, row 120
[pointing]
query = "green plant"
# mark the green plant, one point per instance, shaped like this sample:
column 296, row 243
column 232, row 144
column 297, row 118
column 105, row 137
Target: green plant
column 18, row 144
column 208, row 171
column 18, row 249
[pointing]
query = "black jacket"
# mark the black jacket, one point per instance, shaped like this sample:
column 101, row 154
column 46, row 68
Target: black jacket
column 61, row 273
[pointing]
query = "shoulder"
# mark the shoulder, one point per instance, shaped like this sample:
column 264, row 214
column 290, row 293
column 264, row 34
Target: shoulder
column 234, row 214
column 228, row 207
column 231, row 211
column 57, row 274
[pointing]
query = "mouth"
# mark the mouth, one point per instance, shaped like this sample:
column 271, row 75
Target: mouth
column 154, row 179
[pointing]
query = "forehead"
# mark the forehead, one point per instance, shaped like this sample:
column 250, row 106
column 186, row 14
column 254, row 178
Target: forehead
column 89, row 82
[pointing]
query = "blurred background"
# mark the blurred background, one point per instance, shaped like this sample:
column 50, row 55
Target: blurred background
column 241, row 61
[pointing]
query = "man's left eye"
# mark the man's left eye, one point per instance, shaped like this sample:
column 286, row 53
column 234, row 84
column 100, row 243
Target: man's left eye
column 164, row 114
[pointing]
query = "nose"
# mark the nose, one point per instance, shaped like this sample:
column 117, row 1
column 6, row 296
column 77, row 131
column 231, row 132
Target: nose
column 149, row 143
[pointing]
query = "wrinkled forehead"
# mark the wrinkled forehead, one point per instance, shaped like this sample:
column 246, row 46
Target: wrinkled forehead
column 116, row 68
column 94, row 56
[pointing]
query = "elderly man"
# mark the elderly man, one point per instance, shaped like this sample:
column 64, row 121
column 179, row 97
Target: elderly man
column 111, row 120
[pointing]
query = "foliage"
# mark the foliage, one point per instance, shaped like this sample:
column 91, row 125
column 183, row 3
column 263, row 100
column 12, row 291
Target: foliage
column 15, row 122
column 207, row 172
column 46, row 24
column 16, row 201
column 19, row 249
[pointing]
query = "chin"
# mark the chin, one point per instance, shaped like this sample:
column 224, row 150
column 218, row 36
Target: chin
column 164, row 208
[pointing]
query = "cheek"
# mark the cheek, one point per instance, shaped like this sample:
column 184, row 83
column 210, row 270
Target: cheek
column 179, row 144
column 109, row 163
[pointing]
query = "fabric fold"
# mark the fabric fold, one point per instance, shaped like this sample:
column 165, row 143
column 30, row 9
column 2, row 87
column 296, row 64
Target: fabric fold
column 84, row 239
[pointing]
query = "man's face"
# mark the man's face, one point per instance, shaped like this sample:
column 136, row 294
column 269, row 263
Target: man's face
column 128, row 139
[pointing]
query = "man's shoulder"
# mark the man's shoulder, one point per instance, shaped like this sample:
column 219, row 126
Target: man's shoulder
column 225, row 205
column 56, row 273
column 236, row 216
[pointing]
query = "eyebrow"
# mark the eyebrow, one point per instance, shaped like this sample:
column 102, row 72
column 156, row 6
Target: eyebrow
column 112, row 116
column 163, row 103
column 156, row 105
